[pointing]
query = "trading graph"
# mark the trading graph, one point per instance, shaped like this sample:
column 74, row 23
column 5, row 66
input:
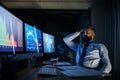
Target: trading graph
column 39, row 40
column 11, row 32
column 6, row 39
column 33, row 38
column 49, row 43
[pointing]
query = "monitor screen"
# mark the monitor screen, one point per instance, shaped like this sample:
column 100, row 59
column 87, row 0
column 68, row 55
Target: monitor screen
column 48, row 43
column 39, row 40
column 11, row 32
column 33, row 38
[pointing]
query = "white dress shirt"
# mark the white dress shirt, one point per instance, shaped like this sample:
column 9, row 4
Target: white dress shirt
column 95, row 53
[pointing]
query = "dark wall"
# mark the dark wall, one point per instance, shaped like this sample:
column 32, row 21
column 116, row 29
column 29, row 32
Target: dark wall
column 31, row 16
column 116, row 24
column 105, row 17
column 101, row 19
column 54, row 20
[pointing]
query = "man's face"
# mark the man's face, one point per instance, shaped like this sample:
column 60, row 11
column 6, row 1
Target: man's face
column 88, row 35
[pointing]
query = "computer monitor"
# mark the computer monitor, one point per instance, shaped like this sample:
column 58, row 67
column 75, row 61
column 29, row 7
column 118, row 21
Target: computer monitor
column 11, row 32
column 39, row 40
column 33, row 38
column 48, row 43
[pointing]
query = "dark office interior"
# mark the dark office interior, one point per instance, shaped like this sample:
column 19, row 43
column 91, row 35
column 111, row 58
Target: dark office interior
column 60, row 18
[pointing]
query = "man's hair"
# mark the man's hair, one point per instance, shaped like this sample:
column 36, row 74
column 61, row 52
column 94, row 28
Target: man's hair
column 91, row 28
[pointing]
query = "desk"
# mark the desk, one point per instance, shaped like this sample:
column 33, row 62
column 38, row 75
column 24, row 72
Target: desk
column 30, row 73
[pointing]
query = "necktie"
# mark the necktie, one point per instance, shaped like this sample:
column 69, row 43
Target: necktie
column 83, row 53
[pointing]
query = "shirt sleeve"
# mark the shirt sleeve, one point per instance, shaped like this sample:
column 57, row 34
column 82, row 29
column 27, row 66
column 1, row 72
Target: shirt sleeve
column 106, row 68
column 68, row 40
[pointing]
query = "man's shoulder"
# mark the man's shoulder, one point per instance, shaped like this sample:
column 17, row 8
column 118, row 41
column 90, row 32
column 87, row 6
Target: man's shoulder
column 98, row 44
column 101, row 44
column 103, row 47
column 95, row 44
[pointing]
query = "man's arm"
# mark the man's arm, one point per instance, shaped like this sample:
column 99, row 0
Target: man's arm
column 106, row 64
column 68, row 40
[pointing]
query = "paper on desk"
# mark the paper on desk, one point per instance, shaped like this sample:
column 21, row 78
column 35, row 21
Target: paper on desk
column 82, row 73
column 70, row 67
column 62, row 64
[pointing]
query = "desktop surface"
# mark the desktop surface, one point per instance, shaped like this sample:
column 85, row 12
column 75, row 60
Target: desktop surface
column 31, row 73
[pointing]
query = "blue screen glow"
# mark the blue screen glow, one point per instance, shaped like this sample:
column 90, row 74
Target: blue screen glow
column 33, row 38
column 48, row 43
column 11, row 32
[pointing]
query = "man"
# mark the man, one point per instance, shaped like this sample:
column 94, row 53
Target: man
column 88, row 53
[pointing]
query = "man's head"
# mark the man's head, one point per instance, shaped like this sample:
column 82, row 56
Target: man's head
column 89, row 34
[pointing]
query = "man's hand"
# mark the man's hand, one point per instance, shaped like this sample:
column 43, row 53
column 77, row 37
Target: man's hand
column 81, row 31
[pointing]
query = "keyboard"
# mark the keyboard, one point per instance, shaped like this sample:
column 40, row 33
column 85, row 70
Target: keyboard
column 48, row 66
column 47, row 71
